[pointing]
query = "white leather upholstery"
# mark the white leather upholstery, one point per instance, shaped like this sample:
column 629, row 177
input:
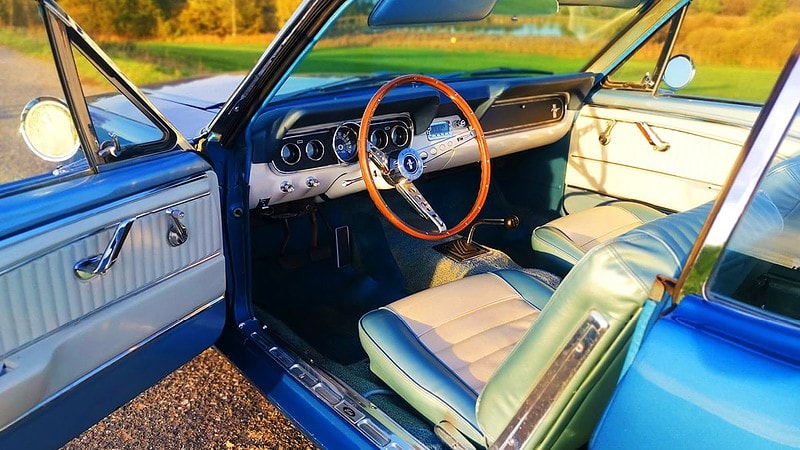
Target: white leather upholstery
column 443, row 344
column 470, row 325
column 560, row 243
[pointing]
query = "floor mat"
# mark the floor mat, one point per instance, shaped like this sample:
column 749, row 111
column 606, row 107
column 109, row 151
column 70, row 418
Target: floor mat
column 423, row 267
column 325, row 310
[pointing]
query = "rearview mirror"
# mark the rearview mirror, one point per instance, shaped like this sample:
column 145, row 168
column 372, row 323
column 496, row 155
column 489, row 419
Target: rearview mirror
column 418, row 12
column 47, row 129
column 679, row 72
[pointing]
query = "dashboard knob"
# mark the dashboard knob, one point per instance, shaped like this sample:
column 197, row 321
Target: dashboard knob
column 312, row 182
column 287, row 187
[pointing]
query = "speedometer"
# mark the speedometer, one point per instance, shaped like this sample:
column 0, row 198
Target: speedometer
column 345, row 140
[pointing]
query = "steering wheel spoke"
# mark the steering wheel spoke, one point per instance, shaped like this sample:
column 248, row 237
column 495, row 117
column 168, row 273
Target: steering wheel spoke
column 410, row 163
column 415, row 198
column 379, row 158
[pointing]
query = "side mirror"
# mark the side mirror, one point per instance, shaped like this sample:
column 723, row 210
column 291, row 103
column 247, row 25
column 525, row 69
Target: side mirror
column 679, row 72
column 46, row 127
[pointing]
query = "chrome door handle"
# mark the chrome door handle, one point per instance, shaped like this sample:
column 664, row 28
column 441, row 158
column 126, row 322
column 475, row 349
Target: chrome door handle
column 652, row 137
column 98, row 265
column 177, row 233
column 605, row 136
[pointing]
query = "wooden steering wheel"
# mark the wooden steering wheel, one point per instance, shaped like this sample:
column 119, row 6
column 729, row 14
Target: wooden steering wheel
column 401, row 171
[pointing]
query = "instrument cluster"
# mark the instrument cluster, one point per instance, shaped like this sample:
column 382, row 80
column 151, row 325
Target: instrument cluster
column 332, row 144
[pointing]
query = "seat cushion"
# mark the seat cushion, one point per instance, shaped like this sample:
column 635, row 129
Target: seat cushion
column 560, row 243
column 439, row 347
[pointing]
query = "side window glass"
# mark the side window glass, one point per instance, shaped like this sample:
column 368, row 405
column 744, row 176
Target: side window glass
column 738, row 47
column 28, row 73
column 641, row 69
column 760, row 265
column 115, row 120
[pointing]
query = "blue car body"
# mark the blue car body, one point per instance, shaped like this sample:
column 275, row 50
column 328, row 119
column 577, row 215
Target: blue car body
column 703, row 370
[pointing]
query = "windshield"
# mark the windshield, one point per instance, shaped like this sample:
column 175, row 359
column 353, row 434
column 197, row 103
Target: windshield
column 350, row 50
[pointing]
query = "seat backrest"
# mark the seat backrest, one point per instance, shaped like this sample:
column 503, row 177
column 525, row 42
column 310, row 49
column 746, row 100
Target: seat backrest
column 566, row 366
column 607, row 287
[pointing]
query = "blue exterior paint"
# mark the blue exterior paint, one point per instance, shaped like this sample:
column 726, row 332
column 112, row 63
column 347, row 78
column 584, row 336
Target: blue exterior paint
column 99, row 395
column 710, row 376
column 65, row 200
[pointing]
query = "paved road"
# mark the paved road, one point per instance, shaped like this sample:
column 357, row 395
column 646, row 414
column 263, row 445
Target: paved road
column 22, row 78
column 205, row 404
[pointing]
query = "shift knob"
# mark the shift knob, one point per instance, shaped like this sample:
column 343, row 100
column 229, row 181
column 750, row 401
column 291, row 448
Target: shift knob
column 509, row 222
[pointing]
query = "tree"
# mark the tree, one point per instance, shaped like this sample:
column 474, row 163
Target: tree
column 19, row 13
column 709, row 6
column 127, row 19
column 284, row 9
column 766, row 9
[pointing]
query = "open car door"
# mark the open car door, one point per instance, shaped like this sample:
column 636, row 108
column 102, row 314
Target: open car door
column 112, row 272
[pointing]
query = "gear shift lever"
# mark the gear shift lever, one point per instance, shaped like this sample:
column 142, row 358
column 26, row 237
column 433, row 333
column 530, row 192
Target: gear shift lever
column 463, row 249
column 509, row 222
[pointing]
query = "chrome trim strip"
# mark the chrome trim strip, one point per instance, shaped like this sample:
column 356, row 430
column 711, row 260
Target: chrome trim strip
column 553, row 382
column 563, row 97
column 201, row 309
column 359, row 412
column 753, row 162
column 130, row 294
column 80, row 217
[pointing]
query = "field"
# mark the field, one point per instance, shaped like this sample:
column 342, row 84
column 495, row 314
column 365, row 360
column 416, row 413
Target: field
column 152, row 62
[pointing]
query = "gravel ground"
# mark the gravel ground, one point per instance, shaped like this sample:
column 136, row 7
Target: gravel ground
column 206, row 404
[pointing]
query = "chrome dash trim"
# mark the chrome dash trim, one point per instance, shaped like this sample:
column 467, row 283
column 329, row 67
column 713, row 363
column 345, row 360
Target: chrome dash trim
column 199, row 310
column 553, row 383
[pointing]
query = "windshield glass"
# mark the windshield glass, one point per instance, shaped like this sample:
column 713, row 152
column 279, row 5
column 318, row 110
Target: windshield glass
column 352, row 51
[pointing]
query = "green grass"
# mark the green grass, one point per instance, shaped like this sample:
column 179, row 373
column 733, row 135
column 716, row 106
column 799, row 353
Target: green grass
column 368, row 59
column 152, row 62
column 203, row 57
column 726, row 82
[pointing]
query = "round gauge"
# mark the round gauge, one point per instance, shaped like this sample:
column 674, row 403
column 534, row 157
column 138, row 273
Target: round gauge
column 315, row 150
column 345, row 141
column 290, row 154
column 400, row 135
column 378, row 138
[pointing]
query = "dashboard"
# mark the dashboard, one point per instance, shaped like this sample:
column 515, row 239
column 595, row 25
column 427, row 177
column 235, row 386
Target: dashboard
column 308, row 148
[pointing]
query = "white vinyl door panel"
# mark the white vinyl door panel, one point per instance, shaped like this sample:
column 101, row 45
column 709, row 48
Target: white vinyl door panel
column 702, row 144
column 56, row 328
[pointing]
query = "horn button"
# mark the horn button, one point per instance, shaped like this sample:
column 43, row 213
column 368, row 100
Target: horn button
column 409, row 164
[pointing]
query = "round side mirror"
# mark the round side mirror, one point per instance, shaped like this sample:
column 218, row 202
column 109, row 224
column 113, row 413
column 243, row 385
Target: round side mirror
column 47, row 128
column 679, row 72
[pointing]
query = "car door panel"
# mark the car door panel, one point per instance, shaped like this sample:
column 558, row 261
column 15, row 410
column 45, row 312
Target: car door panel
column 703, row 138
column 57, row 329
